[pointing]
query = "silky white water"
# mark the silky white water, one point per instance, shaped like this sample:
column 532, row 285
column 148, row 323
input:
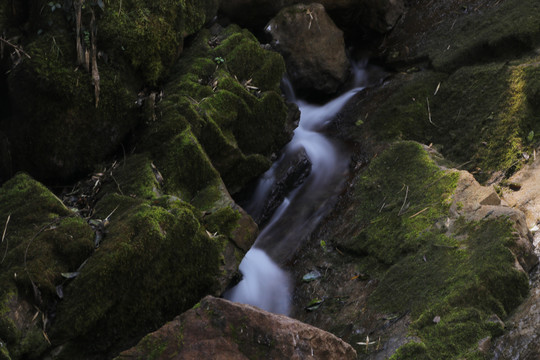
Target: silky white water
column 264, row 283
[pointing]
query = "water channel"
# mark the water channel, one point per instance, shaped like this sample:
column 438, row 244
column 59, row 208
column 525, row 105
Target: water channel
column 264, row 283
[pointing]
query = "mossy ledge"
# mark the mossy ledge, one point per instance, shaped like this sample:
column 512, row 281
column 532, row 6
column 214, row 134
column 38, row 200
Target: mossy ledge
column 455, row 283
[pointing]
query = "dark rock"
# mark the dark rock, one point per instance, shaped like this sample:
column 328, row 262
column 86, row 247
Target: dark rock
column 291, row 171
column 218, row 328
column 313, row 47
column 377, row 15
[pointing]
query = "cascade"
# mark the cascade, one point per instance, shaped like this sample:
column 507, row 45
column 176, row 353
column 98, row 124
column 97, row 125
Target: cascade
column 264, row 284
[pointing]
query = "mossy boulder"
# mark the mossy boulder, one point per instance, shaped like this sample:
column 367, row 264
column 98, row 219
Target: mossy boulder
column 43, row 239
column 158, row 256
column 222, row 110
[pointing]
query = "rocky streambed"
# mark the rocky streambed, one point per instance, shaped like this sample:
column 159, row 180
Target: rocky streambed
column 429, row 252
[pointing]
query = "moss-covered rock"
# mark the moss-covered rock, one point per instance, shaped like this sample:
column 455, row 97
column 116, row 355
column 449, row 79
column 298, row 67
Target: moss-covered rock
column 43, row 240
column 149, row 35
column 155, row 262
column 460, row 278
column 483, row 116
column 224, row 96
column 59, row 129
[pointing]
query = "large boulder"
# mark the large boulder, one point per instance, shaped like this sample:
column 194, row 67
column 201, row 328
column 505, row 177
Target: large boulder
column 218, row 328
column 313, row 47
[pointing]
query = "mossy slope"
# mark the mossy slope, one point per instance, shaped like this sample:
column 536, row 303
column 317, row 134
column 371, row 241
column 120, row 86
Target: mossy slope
column 462, row 277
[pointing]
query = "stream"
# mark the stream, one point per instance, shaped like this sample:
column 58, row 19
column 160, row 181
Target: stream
column 264, row 283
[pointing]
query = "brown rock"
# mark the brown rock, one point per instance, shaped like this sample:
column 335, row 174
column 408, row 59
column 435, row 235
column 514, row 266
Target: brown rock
column 220, row 329
column 313, row 47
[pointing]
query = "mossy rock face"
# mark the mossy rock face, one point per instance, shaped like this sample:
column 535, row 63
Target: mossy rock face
column 451, row 279
column 155, row 262
column 223, row 100
column 43, row 240
column 56, row 130
column 482, row 116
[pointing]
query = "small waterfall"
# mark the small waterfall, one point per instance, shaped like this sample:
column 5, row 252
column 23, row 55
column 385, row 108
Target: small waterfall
column 264, row 283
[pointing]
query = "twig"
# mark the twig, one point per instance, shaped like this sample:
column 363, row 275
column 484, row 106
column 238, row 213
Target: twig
column 418, row 213
column 429, row 112
column 16, row 47
column 404, row 200
column 117, row 184
column 3, row 237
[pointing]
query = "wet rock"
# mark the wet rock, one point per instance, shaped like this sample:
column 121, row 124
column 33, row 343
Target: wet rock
column 289, row 174
column 219, row 328
column 313, row 47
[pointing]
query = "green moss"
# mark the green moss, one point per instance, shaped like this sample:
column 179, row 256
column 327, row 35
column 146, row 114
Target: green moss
column 480, row 117
column 134, row 177
column 186, row 168
column 412, row 350
column 390, row 203
column 43, row 239
column 501, row 31
column 150, row 35
column 460, row 278
column 155, row 262
column 223, row 221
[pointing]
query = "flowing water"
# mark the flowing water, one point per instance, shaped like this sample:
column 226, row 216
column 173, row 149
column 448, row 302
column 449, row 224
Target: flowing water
column 264, row 283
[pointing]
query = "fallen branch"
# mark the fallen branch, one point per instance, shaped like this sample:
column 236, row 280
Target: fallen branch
column 17, row 48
